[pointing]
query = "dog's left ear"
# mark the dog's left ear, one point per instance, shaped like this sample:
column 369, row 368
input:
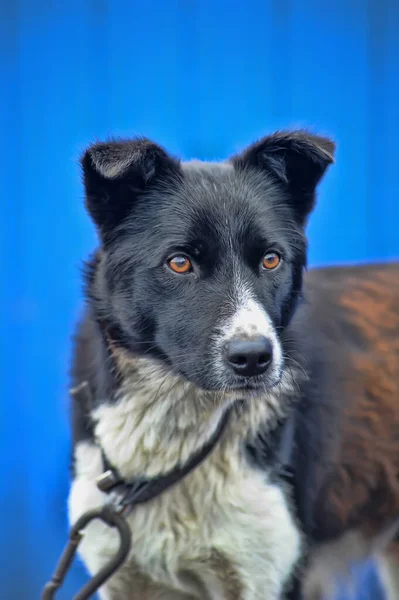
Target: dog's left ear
column 298, row 159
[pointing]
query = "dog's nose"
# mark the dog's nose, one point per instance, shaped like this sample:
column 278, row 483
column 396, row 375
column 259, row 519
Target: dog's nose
column 249, row 357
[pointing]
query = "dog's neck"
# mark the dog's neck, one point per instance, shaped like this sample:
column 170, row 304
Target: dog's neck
column 158, row 421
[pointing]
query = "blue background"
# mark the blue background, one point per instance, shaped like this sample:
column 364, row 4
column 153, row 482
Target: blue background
column 203, row 77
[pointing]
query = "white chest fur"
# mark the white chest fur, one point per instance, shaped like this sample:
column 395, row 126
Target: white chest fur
column 223, row 509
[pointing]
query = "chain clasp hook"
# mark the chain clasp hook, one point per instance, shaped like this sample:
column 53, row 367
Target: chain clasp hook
column 111, row 518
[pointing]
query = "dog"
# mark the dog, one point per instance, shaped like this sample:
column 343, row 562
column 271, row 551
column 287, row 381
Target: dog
column 199, row 331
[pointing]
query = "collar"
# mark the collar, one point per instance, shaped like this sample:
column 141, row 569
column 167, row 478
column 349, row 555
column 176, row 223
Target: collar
column 141, row 489
column 272, row 451
column 128, row 494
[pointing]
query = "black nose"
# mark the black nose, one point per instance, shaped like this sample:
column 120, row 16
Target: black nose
column 249, row 357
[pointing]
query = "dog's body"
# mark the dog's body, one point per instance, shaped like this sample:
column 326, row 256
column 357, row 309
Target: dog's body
column 194, row 304
column 347, row 460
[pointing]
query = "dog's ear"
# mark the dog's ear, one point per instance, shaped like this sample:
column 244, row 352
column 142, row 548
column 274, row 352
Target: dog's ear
column 116, row 172
column 298, row 159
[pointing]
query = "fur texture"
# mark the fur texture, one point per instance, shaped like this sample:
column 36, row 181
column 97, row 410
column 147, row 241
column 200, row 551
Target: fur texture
column 348, row 431
column 154, row 347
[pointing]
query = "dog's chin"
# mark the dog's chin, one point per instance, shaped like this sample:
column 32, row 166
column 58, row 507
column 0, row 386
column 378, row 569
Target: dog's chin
column 253, row 389
column 225, row 385
column 240, row 388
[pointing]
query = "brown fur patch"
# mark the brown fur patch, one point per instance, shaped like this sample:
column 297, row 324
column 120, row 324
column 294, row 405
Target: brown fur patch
column 364, row 484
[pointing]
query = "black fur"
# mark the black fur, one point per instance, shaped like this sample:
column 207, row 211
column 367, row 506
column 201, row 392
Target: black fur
column 295, row 158
column 148, row 207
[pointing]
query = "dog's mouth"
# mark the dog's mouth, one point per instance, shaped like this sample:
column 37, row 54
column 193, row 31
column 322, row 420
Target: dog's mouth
column 228, row 384
column 254, row 386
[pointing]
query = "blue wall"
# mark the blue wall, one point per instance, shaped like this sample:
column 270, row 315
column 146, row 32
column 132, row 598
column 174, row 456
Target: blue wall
column 203, row 77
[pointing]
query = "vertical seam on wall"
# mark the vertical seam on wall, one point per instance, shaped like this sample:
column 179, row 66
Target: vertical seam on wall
column 282, row 69
column 99, row 85
column 189, row 89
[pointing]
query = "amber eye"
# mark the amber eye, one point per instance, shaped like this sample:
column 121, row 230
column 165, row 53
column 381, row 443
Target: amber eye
column 180, row 264
column 271, row 260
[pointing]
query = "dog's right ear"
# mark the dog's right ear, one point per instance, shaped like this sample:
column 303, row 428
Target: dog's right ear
column 116, row 172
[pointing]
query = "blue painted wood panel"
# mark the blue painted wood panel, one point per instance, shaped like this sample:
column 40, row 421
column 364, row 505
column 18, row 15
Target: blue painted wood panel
column 203, row 77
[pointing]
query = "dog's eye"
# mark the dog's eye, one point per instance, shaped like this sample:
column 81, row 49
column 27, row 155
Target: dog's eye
column 180, row 264
column 271, row 260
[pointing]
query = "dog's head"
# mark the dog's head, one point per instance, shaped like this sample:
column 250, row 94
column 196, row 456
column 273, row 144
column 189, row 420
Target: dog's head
column 201, row 264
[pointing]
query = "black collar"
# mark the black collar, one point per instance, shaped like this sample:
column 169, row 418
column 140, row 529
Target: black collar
column 272, row 450
column 141, row 489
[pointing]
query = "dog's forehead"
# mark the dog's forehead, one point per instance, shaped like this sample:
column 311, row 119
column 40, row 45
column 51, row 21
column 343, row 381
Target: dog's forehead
column 218, row 188
column 218, row 192
column 207, row 198
column 212, row 203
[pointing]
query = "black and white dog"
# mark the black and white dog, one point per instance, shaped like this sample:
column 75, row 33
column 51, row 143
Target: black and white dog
column 194, row 312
